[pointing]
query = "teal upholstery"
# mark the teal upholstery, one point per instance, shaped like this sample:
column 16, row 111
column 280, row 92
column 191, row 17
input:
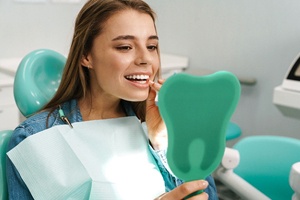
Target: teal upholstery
column 233, row 131
column 40, row 71
column 4, row 138
column 265, row 162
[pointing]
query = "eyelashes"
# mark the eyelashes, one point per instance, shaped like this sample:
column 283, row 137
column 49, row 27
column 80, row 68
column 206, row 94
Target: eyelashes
column 125, row 48
column 152, row 47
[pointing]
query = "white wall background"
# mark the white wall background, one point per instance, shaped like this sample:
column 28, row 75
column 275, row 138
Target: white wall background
column 258, row 38
column 28, row 26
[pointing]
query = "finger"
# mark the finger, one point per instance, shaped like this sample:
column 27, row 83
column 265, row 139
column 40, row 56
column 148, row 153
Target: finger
column 151, row 96
column 161, row 81
column 154, row 85
column 160, row 197
column 202, row 196
column 187, row 188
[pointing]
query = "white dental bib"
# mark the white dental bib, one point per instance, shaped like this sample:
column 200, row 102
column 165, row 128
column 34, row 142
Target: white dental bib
column 101, row 159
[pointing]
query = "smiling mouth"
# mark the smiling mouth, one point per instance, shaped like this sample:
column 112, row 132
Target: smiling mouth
column 138, row 78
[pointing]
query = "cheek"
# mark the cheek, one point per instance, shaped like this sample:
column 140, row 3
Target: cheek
column 120, row 63
column 157, row 68
column 111, row 70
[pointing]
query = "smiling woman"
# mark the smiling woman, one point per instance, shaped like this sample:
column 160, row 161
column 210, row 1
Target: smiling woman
column 125, row 48
column 107, row 93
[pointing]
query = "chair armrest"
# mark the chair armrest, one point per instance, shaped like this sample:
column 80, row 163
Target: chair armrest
column 234, row 182
column 294, row 180
column 231, row 158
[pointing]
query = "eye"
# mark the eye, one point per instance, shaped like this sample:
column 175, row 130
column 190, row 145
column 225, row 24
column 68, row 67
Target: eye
column 152, row 47
column 124, row 48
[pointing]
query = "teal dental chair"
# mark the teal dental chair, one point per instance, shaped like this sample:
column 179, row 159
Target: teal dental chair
column 4, row 137
column 37, row 79
column 260, row 167
column 233, row 131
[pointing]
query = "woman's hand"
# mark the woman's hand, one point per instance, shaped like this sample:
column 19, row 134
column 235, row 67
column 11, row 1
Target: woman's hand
column 156, row 127
column 186, row 189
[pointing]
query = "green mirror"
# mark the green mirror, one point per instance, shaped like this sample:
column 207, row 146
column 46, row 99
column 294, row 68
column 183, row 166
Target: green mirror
column 197, row 110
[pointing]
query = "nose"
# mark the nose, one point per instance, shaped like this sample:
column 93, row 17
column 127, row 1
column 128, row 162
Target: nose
column 143, row 57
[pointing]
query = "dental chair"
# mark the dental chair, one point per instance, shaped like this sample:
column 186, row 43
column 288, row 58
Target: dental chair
column 36, row 80
column 4, row 137
column 233, row 131
column 262, row 167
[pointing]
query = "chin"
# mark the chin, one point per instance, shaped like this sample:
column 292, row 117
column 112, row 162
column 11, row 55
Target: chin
column 136, row 99
column 135, row 96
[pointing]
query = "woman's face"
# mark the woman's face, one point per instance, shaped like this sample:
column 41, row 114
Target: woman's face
column 124, row 57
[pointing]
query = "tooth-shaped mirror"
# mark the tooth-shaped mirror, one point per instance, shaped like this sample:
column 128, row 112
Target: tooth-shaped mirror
column 197, row 110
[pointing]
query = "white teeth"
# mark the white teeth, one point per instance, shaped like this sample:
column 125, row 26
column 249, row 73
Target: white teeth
column 138, row 77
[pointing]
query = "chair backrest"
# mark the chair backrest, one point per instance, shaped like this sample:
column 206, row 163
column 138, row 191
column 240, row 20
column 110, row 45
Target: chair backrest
column 4, row 138
column 265, row 162
column 233, row 131
column 37, row 79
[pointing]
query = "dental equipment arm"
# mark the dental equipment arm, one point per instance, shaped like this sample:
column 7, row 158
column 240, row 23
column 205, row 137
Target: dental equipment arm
column 295, row 180
column 237, row 184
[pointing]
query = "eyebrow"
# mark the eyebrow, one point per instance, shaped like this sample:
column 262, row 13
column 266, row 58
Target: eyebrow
column 131, row 37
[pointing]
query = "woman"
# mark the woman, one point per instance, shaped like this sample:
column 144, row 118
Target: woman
column 110, row 72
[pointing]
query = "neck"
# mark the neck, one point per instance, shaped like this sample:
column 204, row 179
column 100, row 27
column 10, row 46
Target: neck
column 100, row 108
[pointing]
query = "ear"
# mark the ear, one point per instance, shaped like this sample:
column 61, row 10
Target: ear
column 85, row 62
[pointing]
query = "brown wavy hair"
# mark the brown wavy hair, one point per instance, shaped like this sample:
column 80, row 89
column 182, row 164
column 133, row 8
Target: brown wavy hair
column 75, row 82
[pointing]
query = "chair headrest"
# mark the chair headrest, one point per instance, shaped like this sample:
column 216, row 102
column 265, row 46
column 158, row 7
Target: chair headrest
column 37, row 79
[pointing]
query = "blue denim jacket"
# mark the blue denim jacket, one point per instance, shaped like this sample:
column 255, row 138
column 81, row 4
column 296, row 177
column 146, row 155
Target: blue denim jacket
column 16, row 186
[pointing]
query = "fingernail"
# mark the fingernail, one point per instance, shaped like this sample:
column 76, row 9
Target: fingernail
column 151, row 82
column 205, row 183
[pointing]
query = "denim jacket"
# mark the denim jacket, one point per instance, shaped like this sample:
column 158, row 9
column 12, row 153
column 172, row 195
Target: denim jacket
column 16, row 186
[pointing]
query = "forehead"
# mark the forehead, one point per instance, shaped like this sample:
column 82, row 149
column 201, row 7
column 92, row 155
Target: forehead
column 129, row 22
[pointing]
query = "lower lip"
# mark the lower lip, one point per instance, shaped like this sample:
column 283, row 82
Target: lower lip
column 139, row 84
